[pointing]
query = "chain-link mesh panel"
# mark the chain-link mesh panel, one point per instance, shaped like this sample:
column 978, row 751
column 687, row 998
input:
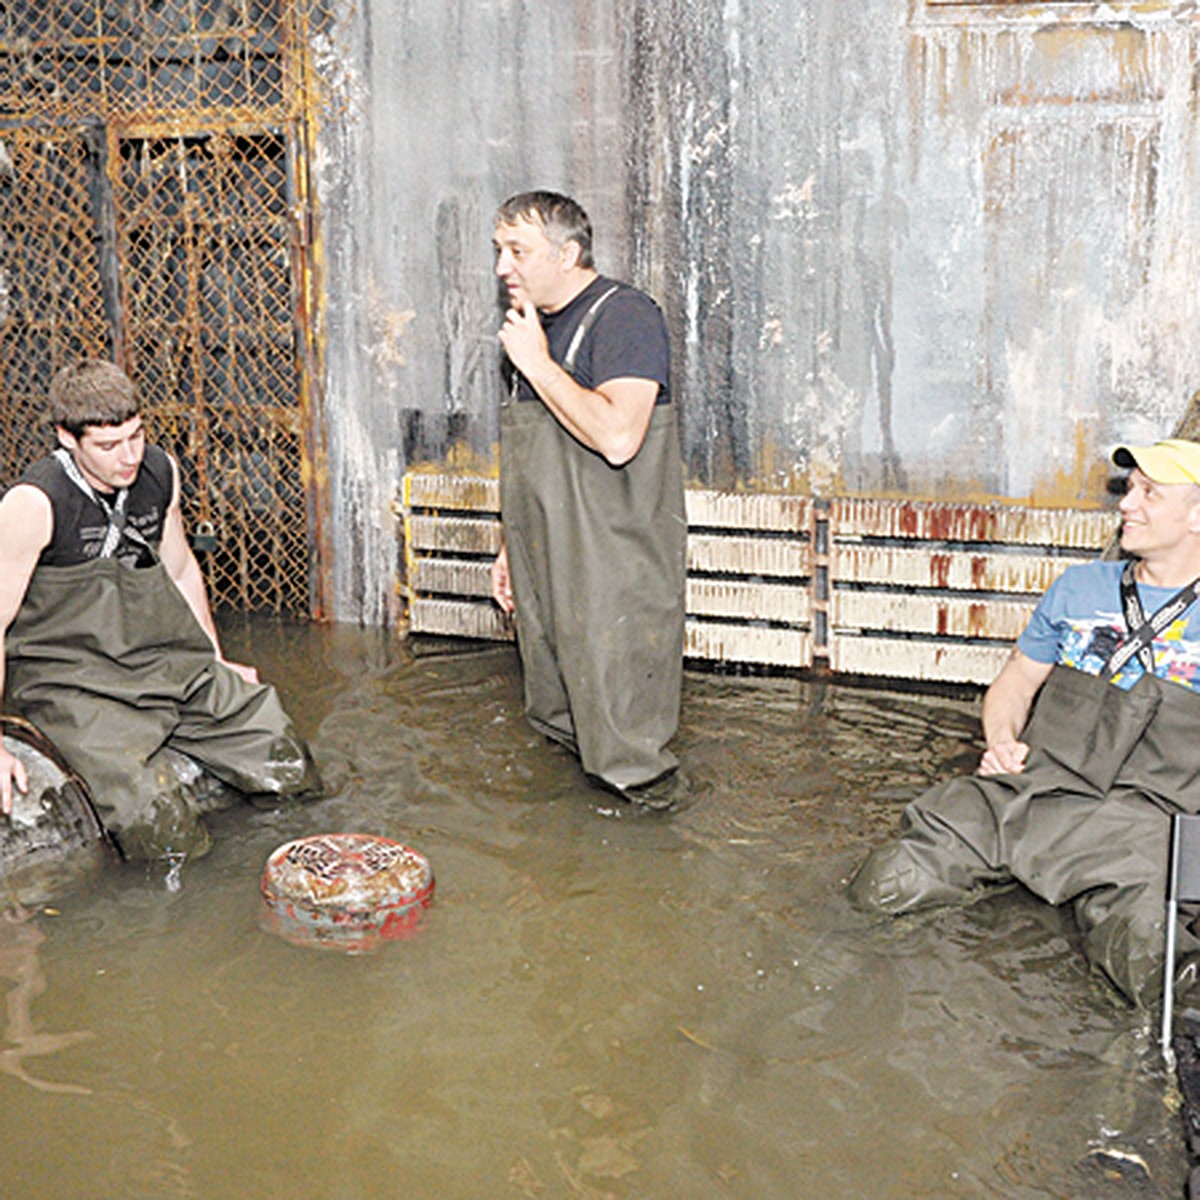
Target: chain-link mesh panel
column 51, row 296
column 203, row 243
column 74, row 58
column 174, row 250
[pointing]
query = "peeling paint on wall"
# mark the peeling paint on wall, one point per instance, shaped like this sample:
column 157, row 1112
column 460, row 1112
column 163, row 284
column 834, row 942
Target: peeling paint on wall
column 904, row 248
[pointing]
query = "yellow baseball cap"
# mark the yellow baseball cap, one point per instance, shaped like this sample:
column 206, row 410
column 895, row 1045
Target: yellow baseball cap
column 1171, row 461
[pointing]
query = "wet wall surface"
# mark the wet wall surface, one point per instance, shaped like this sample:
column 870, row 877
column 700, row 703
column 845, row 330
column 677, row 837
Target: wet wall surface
column 596, row 1006
column 925, row 249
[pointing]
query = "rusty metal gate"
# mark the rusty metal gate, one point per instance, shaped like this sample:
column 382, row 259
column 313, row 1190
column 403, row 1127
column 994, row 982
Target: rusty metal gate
column 155, row 208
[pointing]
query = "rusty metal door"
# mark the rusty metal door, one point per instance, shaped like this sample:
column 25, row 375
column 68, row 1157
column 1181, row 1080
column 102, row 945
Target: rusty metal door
column 154, row 208
column 51, row 295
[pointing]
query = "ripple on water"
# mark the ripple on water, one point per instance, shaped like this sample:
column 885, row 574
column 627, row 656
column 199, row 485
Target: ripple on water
column 680, row 1005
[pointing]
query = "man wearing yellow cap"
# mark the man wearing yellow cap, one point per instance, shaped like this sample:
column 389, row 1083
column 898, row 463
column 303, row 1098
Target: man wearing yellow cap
column 1074, row 792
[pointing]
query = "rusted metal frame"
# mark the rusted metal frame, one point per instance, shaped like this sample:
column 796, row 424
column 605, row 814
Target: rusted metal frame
column 749, row 583
column 953, row 610
column 195, row 346
column 303, row 303
column 758, row 596
column 196, row 411
column 108, row 54
column 119, row 118
column 192, row 410
column 137, row 135
column 308, row 303
column 104, row 138
column 91, row 133
column 51, row 249
column 33, row 127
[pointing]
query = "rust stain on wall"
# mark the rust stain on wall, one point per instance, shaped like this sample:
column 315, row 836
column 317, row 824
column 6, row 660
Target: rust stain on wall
column 923, row 252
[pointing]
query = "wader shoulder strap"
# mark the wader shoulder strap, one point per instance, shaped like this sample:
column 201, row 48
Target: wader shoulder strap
column 1142, row 632
column 581, row 330
column 115, row 512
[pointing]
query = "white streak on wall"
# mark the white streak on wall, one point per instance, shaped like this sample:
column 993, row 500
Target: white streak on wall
column 907, row 247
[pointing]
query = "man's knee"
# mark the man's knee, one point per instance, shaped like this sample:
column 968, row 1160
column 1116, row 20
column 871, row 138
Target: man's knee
column 286, row 772
column 945, row 853
column 156, row 818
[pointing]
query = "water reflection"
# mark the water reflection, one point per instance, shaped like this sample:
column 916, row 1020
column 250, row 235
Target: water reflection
column 20, row 938
column 595, row 1008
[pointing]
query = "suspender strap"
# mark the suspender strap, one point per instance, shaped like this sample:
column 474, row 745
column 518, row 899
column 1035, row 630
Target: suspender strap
column 115, row 512
column 1142, row 632
column 581, row 330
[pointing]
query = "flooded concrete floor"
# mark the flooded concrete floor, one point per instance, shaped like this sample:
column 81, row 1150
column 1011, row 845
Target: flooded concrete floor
column 597, row 1006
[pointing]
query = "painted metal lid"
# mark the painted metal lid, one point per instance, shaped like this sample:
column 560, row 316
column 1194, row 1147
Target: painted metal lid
column 346, row 891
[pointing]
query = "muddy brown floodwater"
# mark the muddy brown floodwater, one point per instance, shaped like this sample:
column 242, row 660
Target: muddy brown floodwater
column 596, row 1005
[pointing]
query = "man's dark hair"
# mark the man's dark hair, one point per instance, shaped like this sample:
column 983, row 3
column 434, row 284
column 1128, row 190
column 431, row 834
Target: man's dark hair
column 561, row 218
column 92, row 392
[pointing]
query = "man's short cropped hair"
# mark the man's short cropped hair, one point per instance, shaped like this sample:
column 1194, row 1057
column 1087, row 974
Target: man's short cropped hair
column 561, row 218
column 92, row 392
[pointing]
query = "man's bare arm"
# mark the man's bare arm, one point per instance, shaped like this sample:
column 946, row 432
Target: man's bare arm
column 26, row 526
column 1006, row 708
column 612, row 419
column 183, row 568
column 502, row 581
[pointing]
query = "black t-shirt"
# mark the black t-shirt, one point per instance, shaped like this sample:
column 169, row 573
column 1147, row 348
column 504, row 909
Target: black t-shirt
column 627, row 338
column 80, row 523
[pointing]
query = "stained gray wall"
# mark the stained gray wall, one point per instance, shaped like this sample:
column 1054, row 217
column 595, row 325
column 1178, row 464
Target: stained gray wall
column 905, row 248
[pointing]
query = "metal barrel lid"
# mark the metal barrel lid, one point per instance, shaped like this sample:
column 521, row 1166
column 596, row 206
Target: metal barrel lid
column 346, row 891
column 52, row 841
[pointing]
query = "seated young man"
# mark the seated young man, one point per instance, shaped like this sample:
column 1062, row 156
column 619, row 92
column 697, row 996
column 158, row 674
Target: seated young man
column 1091, row 732
column 109, row 646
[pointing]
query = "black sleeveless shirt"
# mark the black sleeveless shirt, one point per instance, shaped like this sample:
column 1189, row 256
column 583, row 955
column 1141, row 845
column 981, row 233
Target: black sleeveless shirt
column 80, row 523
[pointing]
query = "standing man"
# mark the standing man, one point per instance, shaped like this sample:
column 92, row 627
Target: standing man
column 592, row 502
column 108, row 640
column 1074, row 801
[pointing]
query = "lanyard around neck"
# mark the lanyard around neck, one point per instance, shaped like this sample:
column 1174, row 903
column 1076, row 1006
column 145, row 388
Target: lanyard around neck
column 1142, row 632
column 115, row 512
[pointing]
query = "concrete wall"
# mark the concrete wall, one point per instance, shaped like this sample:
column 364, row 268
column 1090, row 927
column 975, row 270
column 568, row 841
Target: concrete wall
column 905, row 248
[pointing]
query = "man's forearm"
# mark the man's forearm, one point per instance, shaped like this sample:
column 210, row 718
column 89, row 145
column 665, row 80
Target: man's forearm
column 588, row 416
column 191, row 584
column 1003, row 717
column 1007, row 703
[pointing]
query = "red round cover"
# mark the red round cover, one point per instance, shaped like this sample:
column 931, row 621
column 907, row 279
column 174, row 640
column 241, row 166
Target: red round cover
column 346, row 891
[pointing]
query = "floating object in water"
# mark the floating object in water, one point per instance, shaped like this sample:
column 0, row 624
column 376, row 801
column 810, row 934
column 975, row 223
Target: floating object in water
column 346, row 891
column 52, row 840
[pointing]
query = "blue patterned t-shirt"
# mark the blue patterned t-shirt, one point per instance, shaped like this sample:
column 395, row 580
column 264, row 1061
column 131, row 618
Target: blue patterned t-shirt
column 1079, row 621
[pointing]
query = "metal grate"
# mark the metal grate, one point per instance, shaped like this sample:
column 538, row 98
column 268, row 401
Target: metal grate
column 144, row 58
column 51, row 298
column 203, row 239
column 153, row 207
column 891, row 589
